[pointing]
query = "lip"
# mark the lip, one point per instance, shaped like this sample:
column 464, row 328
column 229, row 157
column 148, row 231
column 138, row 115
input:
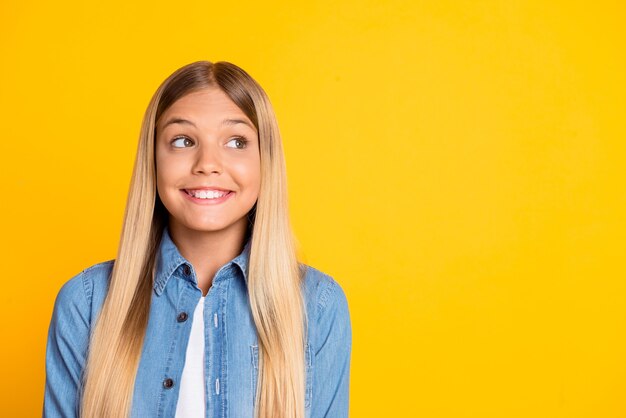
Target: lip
column 207, row 188
column 208, row 202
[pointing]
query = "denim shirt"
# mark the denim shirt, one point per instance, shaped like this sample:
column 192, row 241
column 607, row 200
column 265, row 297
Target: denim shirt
column 231, row 344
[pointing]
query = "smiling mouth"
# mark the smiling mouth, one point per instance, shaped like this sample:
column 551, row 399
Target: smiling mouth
column 207, row 194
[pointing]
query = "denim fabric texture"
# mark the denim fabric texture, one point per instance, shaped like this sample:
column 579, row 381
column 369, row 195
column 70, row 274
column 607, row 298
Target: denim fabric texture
column 231, row 344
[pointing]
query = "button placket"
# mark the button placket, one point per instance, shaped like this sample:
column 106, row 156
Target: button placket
column 214, row 345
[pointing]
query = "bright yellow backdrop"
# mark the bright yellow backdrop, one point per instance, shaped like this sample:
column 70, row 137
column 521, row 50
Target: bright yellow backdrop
column 457, row 166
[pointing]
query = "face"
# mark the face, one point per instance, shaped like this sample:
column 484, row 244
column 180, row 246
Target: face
column 207, row 163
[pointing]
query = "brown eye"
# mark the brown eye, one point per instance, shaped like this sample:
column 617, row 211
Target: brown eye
column 182, row 142
column 239, row 142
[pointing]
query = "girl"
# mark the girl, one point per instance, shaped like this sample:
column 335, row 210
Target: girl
column 206, row 311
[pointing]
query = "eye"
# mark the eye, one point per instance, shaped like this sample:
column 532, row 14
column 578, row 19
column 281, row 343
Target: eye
column 240, row 142
column 183, row 141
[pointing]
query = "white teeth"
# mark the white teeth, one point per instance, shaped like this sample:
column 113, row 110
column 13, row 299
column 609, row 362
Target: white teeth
column 206, row 194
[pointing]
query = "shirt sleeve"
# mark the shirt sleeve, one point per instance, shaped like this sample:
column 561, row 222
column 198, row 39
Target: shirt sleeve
column 68, row 336
column 331, row 374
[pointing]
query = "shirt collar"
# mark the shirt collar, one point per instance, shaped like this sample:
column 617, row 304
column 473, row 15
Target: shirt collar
column 169, row 259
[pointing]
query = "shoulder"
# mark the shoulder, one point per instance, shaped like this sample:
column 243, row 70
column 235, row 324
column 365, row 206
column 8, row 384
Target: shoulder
column 327, row 304
column 321, row 289
column 68, row 337
column 84, row 293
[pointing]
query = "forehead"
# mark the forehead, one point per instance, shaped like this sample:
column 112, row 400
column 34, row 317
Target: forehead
column 207, row 105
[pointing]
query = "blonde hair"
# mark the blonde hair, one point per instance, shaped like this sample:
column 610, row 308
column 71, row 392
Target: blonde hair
column 274, row 278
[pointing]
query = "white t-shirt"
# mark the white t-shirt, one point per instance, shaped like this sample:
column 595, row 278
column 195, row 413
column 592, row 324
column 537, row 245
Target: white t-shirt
column 191, row 398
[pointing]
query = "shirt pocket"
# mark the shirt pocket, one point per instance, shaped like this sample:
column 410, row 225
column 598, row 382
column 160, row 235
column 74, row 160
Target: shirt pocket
column 254, row 350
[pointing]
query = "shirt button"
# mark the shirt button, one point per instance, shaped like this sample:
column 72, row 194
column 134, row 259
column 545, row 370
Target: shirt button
column 182, row 317
column 168, row 383
column 186, row 270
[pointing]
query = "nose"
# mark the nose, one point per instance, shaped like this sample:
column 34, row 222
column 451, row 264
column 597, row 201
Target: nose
column 208, row 160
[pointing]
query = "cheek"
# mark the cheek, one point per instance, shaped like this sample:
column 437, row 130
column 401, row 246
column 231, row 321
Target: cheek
column 167, row 172
column 249, row 174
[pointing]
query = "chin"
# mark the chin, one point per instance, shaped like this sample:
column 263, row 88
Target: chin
column 210, row 225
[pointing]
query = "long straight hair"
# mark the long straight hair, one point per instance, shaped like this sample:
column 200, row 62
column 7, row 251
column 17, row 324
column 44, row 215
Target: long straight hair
column 274, row 276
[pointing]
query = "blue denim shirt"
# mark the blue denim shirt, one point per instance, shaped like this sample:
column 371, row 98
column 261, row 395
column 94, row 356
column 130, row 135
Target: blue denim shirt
column 231, row 344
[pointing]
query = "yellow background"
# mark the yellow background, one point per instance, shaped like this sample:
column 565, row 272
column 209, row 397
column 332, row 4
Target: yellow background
column 457, row 166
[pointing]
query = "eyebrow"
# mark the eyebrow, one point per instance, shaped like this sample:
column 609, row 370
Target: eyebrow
column 229, row 122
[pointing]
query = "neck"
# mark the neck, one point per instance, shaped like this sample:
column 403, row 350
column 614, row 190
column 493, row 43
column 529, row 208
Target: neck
column 208, row 251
